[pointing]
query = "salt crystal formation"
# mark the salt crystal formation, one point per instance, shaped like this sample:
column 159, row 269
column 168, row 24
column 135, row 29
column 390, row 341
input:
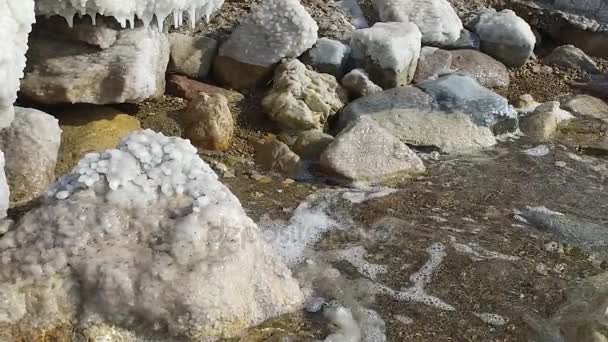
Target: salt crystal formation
column 142, row 236
column 16, row 18
column 125, row 11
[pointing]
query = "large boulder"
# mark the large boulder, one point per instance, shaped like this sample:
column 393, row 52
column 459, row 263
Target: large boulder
column 30, row 146
column 63, row 70
column 143, row 237
column 412, row 115
column 433, row 62
column 487, row 71
column 191, row 55
column 364, row 151
column 16, row 18
column 436, row 19
column 506, row 37
column 461, row 93
column 389, row 52
column 301, row 99
column 588, row 106
column 276, row 29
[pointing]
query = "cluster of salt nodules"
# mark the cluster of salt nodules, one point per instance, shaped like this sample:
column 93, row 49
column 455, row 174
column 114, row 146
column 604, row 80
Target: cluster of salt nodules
column 141, row 236
column 126, row 11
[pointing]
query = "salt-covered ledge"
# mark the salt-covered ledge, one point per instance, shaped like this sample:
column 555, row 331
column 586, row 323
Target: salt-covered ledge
column 16, row 18
column 126, row 11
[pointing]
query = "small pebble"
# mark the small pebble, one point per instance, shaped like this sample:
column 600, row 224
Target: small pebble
column 314, row 304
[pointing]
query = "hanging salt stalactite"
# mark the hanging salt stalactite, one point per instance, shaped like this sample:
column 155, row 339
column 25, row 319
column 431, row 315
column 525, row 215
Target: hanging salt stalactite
column 126, row 11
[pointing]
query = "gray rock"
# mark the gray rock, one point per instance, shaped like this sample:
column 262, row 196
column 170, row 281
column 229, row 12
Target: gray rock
column 588, row 106
column 275, row 29
column 411, row 115
column 506, row 37
column 432, row 63
column 358, row 18
column 364, row 151
column 487, row 71
column 65, row 71
column 461, row 93
column 436, row 19
column 568, row 229
column 358, row 84
column 191, row 56
column 389, row 52
column 569, row 56
column 30, row 146
column 328, row 56
column 311, row 144
column 467, row 40
column 301, row 99
column 597, row 85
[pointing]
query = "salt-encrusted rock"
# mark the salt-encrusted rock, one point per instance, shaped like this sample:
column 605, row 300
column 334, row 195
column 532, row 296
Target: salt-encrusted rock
column 274, row 155
column 16, row 18
column 311, row 144
column 146, row 238
column 411, row 115
column 189, row 89
column 103, row 34
column 467, row 40
column 588, row 106
column 301, row 99
column 191, row 56
column 486, row 70
column 4, row 189
column 208, row 122
column 506, row 37
column 569, row 56
column 64, row 71
column 389, row 52
column 358, row 84
column 436, row 19
column 358, row 18
column 364, row 151
column 328, row 56
column 30, row 148
column 90, row 128
column 542, row 124
column 276, row 29
column 125, row 11
column 461, row 93
column 432, row 63
column 333, row 20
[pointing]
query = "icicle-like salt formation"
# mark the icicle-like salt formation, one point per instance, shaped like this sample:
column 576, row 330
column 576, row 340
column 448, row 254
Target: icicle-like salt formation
column 125, row 11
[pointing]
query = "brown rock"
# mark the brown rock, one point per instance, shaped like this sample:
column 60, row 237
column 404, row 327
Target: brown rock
column 189, row 89
column 238, row 75
column 208, row 122
column 90, row 128
column 432, row 61
column 486, row 70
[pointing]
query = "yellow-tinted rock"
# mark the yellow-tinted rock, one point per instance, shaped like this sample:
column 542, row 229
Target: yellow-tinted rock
column 89, row 129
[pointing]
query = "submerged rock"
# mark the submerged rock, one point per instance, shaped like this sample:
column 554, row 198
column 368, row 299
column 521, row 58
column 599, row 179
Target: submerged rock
column 389, row 52
column 30, row 146
column 301, row 99
column 89, row 269
column 461, row 93
column 364, row 151
column 412, row 115
column 61, row 70
column 542, row 124
column 276, row 29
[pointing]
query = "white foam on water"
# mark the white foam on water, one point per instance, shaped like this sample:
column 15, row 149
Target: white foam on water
column 356, row 257
column 360, row 196
column 477, row 252
column 538, row 151
column 492, row 319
